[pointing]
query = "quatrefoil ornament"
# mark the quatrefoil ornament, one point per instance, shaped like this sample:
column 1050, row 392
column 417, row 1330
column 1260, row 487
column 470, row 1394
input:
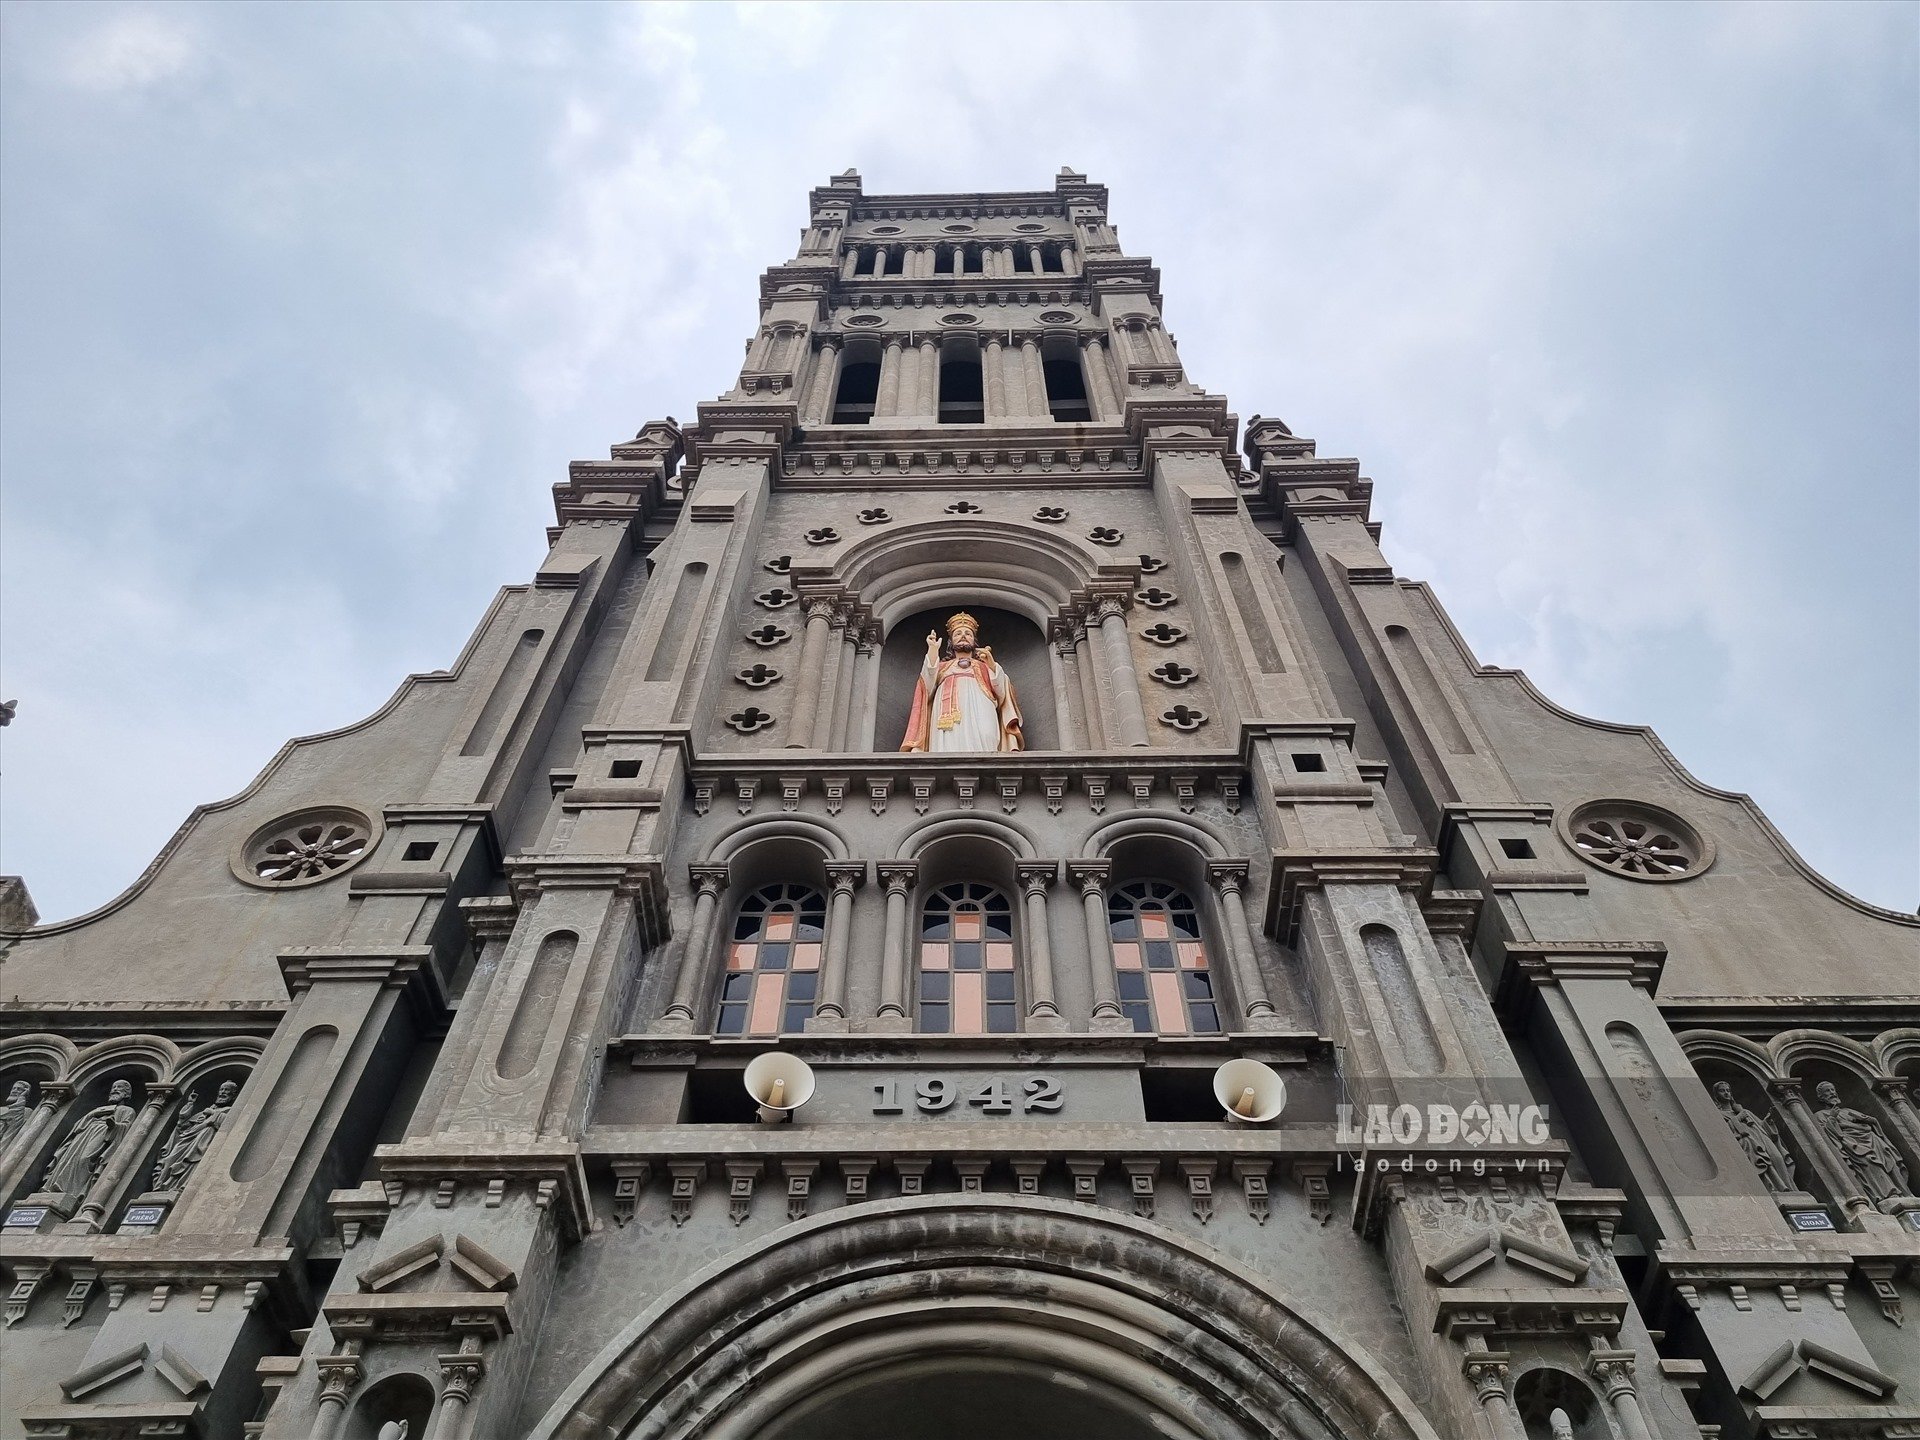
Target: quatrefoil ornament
column 825, row 535
column 776, row 598
column 1154, row 597
column 1162, row 633
column 767, row 636
column 964, row 507
column 1183, row 717
column 875, row 516
column 757, row 676
column 1050, row 515
column 1106, row 535
column 1174, row 673
column 749, row 720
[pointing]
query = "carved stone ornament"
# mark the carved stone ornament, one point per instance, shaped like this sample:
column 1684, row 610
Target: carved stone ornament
column 14, row 1112
column 306, row 847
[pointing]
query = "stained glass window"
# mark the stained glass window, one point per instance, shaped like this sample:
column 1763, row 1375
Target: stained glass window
column 1161, row 960
column 966, row 962
column 773, row 962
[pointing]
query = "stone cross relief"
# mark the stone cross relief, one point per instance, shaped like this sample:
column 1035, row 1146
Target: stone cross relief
column 1862, row 1144
column 192, row 1133
column 1759, row 1138
column 83, row 1153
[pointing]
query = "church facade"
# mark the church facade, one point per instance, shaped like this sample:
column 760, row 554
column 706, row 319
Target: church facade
column 965, row 898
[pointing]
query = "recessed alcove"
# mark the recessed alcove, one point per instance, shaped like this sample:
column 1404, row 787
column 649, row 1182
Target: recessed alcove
column 1016, row 643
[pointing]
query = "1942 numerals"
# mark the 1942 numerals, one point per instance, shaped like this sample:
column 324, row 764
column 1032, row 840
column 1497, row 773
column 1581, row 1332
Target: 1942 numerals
column 995, row 1096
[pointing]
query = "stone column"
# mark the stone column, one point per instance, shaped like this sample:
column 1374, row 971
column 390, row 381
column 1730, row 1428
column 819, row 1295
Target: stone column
column 844, row 877
column 20, row 1155
column 1037, row 258
column 845, row 681
column 1066, row 690
column 993, row 378
column 898, row 876
column 1128, row 718
column 1904, row 1120
column 1836, row 1176
column 1613, row 1369
column 1035, row 379
column 1070, row 258
column 460, row 1375
column 813, row 658
column 999, row 260
column 1090, row 708
column 887, row 404
column 1093, row 355
column 1042, row 1013
column 1091, row 876
column 850, row 263
column 93, row 1210
column 827, row 685
column 920, row 262
column 340, row 1376
column 1228, row 879
column 826, row 378
column 708, row 882
column 861, row 719
column 1487, row 1371
column 929, row 377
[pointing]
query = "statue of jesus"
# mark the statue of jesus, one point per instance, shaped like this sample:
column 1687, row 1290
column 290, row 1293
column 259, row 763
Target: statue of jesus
column 966, row 702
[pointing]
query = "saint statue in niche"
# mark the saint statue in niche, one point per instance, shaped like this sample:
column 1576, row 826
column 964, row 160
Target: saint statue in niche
column 192, row 1133
column 1758, row 1138
column 13, row 1114
column 83, row 1154
column 965, row 702
column 1862, row 1144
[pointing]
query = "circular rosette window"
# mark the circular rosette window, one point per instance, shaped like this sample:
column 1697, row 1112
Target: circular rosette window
column 1640, row 842
column 306, row 847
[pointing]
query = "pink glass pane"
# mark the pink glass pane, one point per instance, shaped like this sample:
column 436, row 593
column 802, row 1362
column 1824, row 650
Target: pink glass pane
column 1126, row 955
column 764, row 1018
column 999, row 956
column 969, row 1002
column 780, row 927
column 1169, row 1011
column 1193, row 955
column 741, row 957
column 966, row 927
column 1153, row 926
column 933, row 957
column 807, row 957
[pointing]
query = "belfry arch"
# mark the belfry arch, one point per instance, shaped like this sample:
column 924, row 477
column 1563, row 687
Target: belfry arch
column 1078, row 1321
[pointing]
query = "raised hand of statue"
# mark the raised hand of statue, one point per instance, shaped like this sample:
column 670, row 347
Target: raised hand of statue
column 933, row 641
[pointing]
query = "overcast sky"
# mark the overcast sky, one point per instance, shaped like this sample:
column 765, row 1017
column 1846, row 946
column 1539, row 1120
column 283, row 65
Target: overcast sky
column 304, row 308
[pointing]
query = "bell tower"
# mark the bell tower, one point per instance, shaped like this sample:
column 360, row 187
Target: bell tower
column 965, row 897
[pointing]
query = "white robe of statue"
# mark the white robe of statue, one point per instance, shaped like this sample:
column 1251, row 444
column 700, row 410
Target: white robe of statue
column 964, row 703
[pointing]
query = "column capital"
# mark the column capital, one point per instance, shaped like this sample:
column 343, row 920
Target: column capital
column 1788, row 1088
column 819, row 607
column 1106, row 607
column 1228, row 876
column 1036, row 875
column 897, row 875
column 1896, row 1088
column 460, row 1375
column 709, row 879
column 1090, row 875
column 54, row 1092
column 340, row 1375
column 846, row 876
column 1613, row 1371
column 1488, row 1371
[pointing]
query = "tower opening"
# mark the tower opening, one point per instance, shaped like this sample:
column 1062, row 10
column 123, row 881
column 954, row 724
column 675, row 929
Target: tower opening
column 962, row 388
column 1066, row 382
column 896, row 259
column 943, row 259
column 1022, row 260
column 859, row 388
column 1050, row 260
column 972, row 262
column 868, row 262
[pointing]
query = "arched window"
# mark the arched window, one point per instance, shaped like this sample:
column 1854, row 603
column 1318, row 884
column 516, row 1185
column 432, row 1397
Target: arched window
column 869, row 262
column 1161, row 960
column 971, row 260
column 859, row 387
column 966, row 962
column 962, row 398
column 896, row 259
column 1066, row 383
column 773, row 963
column 943, row 259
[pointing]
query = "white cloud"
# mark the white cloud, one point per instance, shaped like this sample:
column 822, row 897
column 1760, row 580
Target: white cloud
column 131, row 51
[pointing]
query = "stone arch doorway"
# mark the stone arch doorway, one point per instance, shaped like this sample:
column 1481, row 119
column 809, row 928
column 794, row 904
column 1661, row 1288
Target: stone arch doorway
column 992, row 1317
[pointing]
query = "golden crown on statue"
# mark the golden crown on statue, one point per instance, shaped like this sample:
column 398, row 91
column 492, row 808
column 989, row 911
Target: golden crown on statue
column 961, row 618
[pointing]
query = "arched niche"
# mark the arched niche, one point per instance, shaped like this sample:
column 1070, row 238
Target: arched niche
column 405, row 1397
column 1540, row 1392
column 1139, row 1331
column 1018, row 644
